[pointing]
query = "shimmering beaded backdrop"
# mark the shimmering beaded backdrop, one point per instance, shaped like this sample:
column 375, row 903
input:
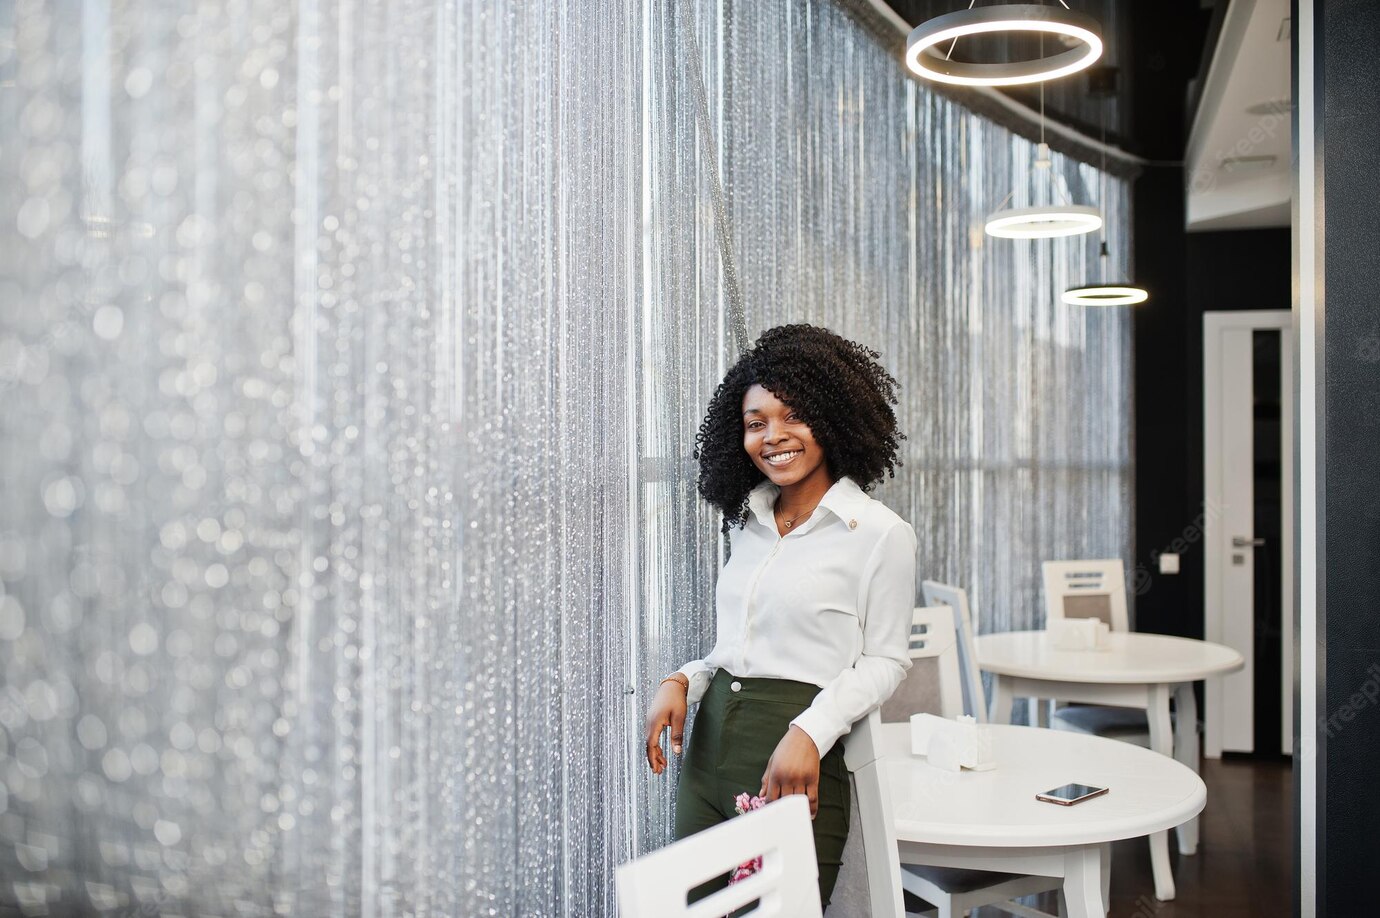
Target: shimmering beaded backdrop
column 352, row 355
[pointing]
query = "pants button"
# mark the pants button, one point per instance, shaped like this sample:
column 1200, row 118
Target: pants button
column 736, row 686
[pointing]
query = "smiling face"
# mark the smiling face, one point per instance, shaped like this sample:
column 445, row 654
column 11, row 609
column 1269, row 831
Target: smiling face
column 778, row 441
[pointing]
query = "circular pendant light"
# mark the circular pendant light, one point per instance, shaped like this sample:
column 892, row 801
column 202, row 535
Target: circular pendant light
column 1105, row 295
column 1043, row 222
column 923, row 54
column 1046, row 221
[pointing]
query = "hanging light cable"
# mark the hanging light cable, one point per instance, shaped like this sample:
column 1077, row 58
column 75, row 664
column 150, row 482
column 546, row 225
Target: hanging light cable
column 923, row 57
column 1104, row 293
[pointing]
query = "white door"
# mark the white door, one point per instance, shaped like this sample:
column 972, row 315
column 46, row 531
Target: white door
column 1237, row 556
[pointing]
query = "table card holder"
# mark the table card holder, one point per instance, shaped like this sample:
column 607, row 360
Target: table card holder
column 952, row 745
column 1077, row 633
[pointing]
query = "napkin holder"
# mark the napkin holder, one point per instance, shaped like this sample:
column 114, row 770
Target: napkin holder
column 952, row 745
column 1077, row 633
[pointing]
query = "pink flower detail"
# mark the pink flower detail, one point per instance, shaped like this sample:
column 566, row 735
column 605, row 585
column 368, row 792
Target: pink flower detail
column 743, row 871
column 743, row 803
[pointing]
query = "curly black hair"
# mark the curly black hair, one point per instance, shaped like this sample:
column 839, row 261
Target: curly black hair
column 836, row 386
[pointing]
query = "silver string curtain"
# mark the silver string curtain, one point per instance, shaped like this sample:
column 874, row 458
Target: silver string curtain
column 351, row 357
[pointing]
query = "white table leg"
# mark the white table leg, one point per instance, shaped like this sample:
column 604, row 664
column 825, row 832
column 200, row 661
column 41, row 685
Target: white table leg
column 1083, row 883
column 1160, row 868
column 1001, row 700
column 1161, row 741
column 1106, row 858
column 1161, row 727
column 1186, row 751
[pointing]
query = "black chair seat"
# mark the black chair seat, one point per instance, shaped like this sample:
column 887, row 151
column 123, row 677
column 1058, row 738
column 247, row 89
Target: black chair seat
column 1103, row 720
column 959, row 879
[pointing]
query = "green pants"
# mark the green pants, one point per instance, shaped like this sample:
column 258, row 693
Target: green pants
column 735, row 733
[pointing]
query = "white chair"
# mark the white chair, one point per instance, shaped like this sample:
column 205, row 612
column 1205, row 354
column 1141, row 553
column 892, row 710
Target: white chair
column 886, row 731
column 656, row 884
column 1086, row 589
column 956, row 598
column 1093, row 589
column 1098, row 589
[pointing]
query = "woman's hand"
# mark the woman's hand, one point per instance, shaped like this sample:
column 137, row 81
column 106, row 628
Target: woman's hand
column 668, row 710
column 793, row 769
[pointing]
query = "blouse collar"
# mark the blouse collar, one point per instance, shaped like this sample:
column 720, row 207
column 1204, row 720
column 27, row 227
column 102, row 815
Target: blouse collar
column 844, row 499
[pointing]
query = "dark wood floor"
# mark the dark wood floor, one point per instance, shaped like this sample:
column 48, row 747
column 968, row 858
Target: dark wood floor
column 1244, row 865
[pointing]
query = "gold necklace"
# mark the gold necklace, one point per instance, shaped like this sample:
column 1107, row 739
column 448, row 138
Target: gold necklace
column 792, row 520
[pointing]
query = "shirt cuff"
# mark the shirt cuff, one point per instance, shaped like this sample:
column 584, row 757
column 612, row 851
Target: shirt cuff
column 699, row 673
column 820, row 728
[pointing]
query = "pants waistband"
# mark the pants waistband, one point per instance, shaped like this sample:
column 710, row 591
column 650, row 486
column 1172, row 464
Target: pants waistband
column 759, row 688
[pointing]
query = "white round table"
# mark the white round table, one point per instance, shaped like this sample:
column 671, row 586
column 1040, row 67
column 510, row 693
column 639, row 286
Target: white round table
column 990, row 820
column 1134, row 670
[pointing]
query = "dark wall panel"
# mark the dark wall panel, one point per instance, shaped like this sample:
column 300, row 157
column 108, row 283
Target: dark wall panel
column 1186, row 274
column 1226, row 271
column 1160, row 67
column 1348, row 36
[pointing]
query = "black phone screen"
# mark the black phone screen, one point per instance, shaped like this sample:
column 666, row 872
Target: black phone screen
column 1072, row 791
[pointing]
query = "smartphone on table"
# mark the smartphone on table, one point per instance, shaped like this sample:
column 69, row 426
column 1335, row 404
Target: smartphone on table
column 1069, row 794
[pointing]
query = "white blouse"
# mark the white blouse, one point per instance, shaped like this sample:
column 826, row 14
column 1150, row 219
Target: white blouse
column 829, row 604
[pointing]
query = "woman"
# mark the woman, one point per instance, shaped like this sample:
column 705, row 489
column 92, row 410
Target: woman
column 814, row 604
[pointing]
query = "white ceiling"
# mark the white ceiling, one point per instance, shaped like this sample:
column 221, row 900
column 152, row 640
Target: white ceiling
column 1243, row 118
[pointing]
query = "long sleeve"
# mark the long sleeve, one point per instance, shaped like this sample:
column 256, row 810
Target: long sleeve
column 886, row 604
column 699, row 673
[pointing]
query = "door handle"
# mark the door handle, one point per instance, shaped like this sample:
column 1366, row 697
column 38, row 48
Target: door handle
column 1243, row 542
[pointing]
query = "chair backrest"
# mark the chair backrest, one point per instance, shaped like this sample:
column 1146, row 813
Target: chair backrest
column 866, row 744
column 956, row 598
column 656, row 884
column 1086, row 589
column 932, row 683
column 886, row 732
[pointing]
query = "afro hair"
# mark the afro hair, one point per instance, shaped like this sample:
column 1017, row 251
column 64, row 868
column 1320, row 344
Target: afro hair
column 836, row 386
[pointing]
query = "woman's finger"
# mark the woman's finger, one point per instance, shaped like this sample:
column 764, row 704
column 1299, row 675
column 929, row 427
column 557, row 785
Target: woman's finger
column 654, row 728
column 654, row 752
column 651, row 742
column 677, row 724
column 773, row 790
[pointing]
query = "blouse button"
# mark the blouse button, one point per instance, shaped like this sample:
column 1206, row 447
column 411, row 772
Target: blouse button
column 852, row 524
column 736, row 686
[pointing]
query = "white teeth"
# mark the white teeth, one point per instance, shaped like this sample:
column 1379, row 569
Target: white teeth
column 781, row 458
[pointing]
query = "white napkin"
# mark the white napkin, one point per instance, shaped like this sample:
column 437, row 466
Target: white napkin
column 951, row 745
column 1077, row 633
